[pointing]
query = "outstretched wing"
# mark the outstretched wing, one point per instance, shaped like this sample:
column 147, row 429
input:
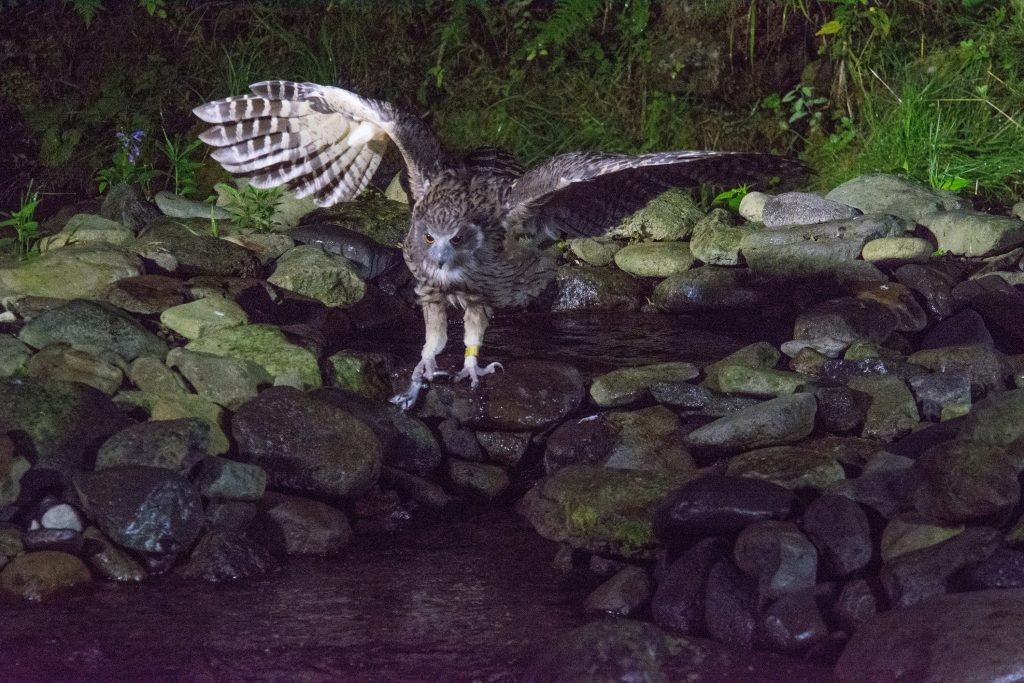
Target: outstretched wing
column 316, row 139
column 582, row 193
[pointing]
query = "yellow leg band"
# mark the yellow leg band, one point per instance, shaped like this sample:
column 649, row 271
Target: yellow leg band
column 472, row 350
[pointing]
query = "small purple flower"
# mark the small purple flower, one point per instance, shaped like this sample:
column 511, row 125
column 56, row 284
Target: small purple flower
column 130, row 143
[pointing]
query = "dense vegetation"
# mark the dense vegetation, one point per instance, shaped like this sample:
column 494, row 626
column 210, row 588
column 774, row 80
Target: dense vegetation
column 932, row 89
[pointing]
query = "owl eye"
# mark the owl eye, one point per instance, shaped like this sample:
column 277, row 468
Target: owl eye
column 456, row 239
column 428, row 238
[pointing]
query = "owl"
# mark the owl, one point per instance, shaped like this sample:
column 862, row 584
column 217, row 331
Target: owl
column 470, row 214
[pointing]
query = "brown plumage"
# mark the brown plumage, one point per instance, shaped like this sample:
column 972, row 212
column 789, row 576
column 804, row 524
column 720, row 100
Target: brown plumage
column 464, row 245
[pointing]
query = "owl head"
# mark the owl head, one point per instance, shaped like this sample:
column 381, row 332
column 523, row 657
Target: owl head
column 445, row 236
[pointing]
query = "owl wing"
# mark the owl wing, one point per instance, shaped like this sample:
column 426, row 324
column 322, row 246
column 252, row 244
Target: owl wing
column 583, row 193
column 318, row 140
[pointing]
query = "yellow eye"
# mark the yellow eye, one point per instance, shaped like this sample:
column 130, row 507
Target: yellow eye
column 428, row 238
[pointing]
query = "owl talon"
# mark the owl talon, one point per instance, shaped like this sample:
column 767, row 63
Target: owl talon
column 425, row 372
column 471, row 370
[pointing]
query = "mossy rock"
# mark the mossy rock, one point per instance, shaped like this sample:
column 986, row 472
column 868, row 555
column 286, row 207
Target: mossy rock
column 267, row 346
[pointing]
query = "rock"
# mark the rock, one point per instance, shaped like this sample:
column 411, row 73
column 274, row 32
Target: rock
column 916, row 576
column 586, row 441
column 883, row 193
column 966, row 328
column 108, row 561
column 933, row 284
column 858, row 601
column 780, row 420
column 708, row 289
column 61, row 516
column 719, row 505
column 312, row 272
column 884, row 485
column 180, row 406
column 973, row 233
column 802, row 208
column 196, row 318
column 504, row 448
column 85, row 271
column 13, row 355
column 678, row 602
column 420, row 490
column 622, row 595
column 10, row 542
column 487, row 481
column 12, row 468
column 60, row 362
column 267, row 247
column 185, row 247
column 267, row 346
column 897, row 250
column 145, row 294
column 794, row 622
column 224, row 479
column 531, row 394
column 892, row 411
column 752, row 206
column 911, row 531
column 900, row 301
column 37, row 576
column 1003, row 569
column 601, row 510
column 628, row 385
column 126, row 205
column 459, row 442
column 173, row 444
column 150, row 510
column 957, row 481
column 228, row 382
column 383, row 220
column 841, row 371
column 94, row 327
column 585, row 288
column 788, row 466
column 997, row 420
column 227, row 556
column 309, row 527
column 307, row 446
column 987, row 369
column 85, row 228
column 764, row 382
column 176, row 206
column 730, row 609
column 63, row 540
column 716, row 241
column 941, row 396
column 654, row 259
column 362, row 372
column 840, row 410
column 594, row 251
column 152, row 376
column 969, row 636
column 839, row 529
column 759, row 355
column 681, row 394
column 669, row 216
column 775, row 553
column 846, row 319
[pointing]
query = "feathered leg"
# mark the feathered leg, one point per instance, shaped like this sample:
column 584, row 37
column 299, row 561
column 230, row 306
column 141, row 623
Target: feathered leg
column 476, row 319
column 436, row 318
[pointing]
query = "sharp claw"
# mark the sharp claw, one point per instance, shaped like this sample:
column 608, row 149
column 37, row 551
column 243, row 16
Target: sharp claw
column 426, row 371
column 474, row 373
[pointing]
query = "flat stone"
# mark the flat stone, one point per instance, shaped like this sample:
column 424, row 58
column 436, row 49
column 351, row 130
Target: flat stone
column 180, row 406
column 225, row 479
column 900, row 301
column 487, row 481
column 145, row 294
column 966, row 328
column 185, row 247
column 94, row 327
column 884, row 193
column 791, row 467
column 37, row 576
column 892, row 410
column 173, row 444
column 803, row 208
column 839, row 528
column 227, row 556
column 973, row 233
column 628, row 385
column 176, row 206
column 845, row 319
column 959, row 481
column 312, row 272
column 586, row 288
column 997, row 420
column 267, row 346
column 897, row 250
column 13, row 355
column 622, row 595
column 108, row 561
column 596, row 252
column 85, row 271
column 196, row 318
column 61, row 362
column 708, row 288
column 764, row 382
column 759, row 355
column 228, row 382
column 654, row 259
column 911, row 531
column 777, row 421
column 149, row 374
column 84, row 228
column 309, row 527
column 1003, row 569
column 986, row 368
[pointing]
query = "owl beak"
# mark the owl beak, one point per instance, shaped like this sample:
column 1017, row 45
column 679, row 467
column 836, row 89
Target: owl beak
column 443, row 253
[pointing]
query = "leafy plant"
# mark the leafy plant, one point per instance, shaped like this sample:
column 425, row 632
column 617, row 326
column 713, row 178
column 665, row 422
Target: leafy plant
column 126, row 164
column 732, row 198
column 252, row 208
column 25, row 226
column 182, row 170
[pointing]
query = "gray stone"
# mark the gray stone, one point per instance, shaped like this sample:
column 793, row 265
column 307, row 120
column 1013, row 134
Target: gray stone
column 362, row 372
column 708, row 289
column 459, row 442
column 227, row 556
column 678, row 603
column 897, row 250
column 778, row 555
column 13, row 355
column 267, row 346
column 596, row 252
column 966, row 328
column 942, row 395
column 173, row 444
column 486, row 481
column 312, row 272
column 127, row 205
column 36, row 576
column 628, row 385
column 585, row 288
column 911, row 531
column 196, row 318
column 669, row 216
column 95, row 327
column 973, row 233
column 789, row 466
column 504, row 448
column 803, row 208
column 177, row 406
column 959, row 481
column 987, row 369
column 224, row 479
column 151, row 375
column 900, row 301
column 185, row 247
column 654, row 259
column 883, row 193
column 622, row 595
column 61, row 362
column 794, row 622
column 108, row 561
column 145, row 294
column 719, row 505
column 716, row 241
column 309, row 527
column 764, row 382
column 752, row 206
column 892, row 410
column 85, row 271
column 228, row 382
column 176, row 206
column 780, row 420
column 934, row 284
column 839, row 529
column 759, row 355
column 730, row 608
column 997, row 420
column 845, row 320
column 85, row 228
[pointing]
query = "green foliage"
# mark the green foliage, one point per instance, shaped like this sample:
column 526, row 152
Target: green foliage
column 25, row 226
column 87, row 9
column 182, row 169
column 252, row 208
column 732, row 198
column 127, row 164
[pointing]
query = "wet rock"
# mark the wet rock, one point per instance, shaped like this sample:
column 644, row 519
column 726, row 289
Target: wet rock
column 900, row 301
column 173, row 444
column 309, row 527
column 681, row 394
column 736, row 379
column 622, row 595
column 802, row 208
column 127, row 205
column 791, row 467
column 85, row 228
column 759, row 355
column 584, row 288
column 719, row 505
column 312, row 272
column 912, row 531
column 602, row 510
column 1003, row 569
column 267, row 346
column 986, row 368
column 370, row 257
column 959, row 481
column 152, row 376
column 63, row 540
column 841, row 371
column 185, row 248
column 708, row 289
column 648, row 439
column 916, row 576
column 145, row 294
column 504, row 448
column 628, row 385
column 892, row 410
column 93, row 326
column 487, row 481
column 305, row 445
column 897, row 250
column 730, row 608
column 884, row 485
column 933, row 284
column 12, row 468
column 966, row 328
column 778, row 421
column 459, row 442
column 196, row 318
column 37, row 576
column 362, row 372
column 62, row 363
column 848, row 450
column 971, row 636
column 883, row 193
column 176, row 206
column 180, row 406
column 839, row 529
column 594, row 251
column 794, row 622
column 845, row 320
column 973, row 233
column 775, row 553
column 531, row 394
column 85, row 271
column 228, row 382
column 941, row 396
column 586, row 441
column 227, row 556
column 858, row 601
column 13, row 355
column 997, row 420
column 267, row 247
column 716, row 241
column 150, row 510
column 678, row 602
column 654, row 259
column 669, row 216
column 108, row 561
column 423, row 491
column 224, row 479
column 839, row 410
